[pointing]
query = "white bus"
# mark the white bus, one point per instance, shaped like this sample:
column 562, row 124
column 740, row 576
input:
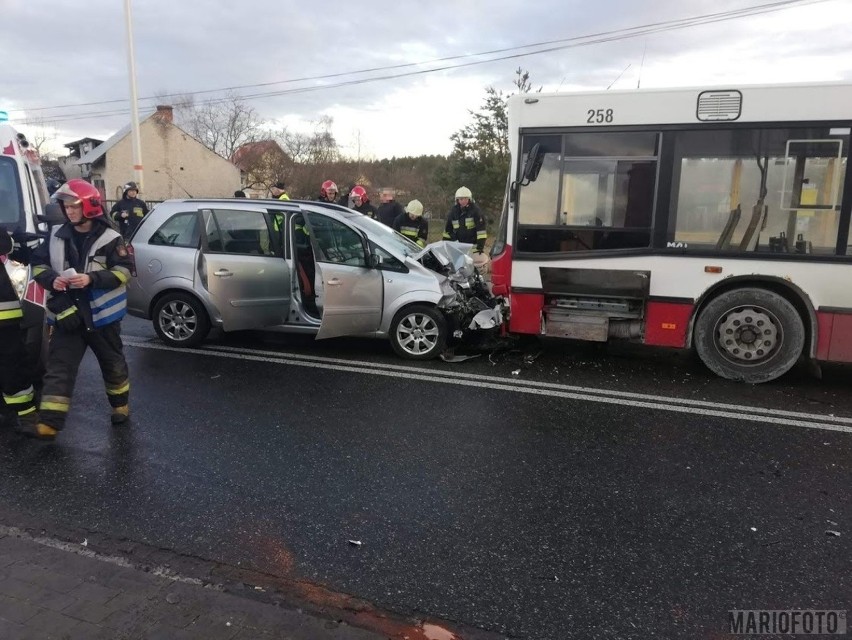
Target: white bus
column 713, row 219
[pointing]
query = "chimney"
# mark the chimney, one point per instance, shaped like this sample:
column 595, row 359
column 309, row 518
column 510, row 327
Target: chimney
column 165, row 113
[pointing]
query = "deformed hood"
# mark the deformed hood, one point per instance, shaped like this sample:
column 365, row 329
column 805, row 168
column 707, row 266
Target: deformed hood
column 453, row 257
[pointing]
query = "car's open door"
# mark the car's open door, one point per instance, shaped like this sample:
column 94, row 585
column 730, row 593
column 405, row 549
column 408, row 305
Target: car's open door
column 244, row 270
column 349, row 291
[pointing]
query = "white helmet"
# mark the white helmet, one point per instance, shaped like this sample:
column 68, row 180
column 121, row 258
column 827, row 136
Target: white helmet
column 463, row 192
column 415, row 208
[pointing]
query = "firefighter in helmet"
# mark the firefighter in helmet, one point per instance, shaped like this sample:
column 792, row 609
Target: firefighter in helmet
column 411, row 223
column 15, row 375
column 465, row 222
column 361, row 202
column 328, row 192
column 84, row 266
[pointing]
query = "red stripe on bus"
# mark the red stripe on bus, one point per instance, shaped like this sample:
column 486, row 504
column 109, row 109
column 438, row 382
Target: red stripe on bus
column 834, row 337
column 501, row 272
column 666, row 323
column 526, row 313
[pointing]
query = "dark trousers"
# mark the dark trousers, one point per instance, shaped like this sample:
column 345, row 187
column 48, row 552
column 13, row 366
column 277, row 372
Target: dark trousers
column 15, row 375
column 63, row 361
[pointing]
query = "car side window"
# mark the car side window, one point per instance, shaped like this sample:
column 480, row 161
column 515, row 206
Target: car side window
column 386, row 261
column 240, row 232
column 336, row 242
column 181, row 230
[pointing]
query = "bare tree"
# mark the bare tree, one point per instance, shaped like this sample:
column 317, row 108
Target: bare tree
column 222, row 125
column 40, row 134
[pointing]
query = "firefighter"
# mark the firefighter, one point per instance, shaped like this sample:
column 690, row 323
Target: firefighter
column 361, row 202
column 15, row 376
column 84, row 266
column 129, row 211
column 279, row 191
column 328, row 192
column 465, row 222
column 411, row 223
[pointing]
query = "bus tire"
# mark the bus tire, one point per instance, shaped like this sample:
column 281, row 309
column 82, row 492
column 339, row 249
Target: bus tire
column 418, row 332
column 749, row 335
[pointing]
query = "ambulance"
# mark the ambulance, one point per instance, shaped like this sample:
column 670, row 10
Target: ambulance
column 25, row 211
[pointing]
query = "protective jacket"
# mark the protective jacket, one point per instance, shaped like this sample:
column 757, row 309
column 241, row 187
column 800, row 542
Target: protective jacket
column 367, row 209
column 416, row 230
column 135, row 209
column 466, row 225
column 104, row 257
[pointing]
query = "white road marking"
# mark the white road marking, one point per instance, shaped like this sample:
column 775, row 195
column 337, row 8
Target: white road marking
column 495, row 383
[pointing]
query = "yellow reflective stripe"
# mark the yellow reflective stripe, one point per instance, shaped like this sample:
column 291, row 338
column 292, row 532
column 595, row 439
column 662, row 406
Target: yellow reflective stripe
column 455, row 224
column 66, row 313
column 26, row 411
column 54, row 406
column 21, row 397
column 117, row 391
column 446, row 235
column 283, row 196
column 122, row 277
column 421, row 242
column 469, row 223
column 481, row 235
column 39, row 269
column 9, row 315
column 12, row 304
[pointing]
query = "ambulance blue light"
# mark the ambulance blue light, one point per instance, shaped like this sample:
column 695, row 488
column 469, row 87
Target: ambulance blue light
column 4, row 116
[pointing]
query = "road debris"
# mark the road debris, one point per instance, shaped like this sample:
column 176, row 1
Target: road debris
column 516, row 372
column 172, row 598
column 85, row 542
column 754, row 528
column 216, row 376
column 451, row 357
column 832, row 532
column 832, row 523
column 355, row 543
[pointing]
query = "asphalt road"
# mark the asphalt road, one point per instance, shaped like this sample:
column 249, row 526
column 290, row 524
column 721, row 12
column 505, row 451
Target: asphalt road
column 542, row 491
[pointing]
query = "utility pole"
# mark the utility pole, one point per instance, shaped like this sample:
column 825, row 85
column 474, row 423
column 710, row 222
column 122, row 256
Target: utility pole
column 134, row 106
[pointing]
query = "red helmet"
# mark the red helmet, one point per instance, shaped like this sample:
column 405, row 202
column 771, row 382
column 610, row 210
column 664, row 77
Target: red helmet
column 327, row 186
column 80, row 192
column 359, row 192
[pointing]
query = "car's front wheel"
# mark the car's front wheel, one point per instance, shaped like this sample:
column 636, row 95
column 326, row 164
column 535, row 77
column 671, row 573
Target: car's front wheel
column 418, row 332
column 180, row 320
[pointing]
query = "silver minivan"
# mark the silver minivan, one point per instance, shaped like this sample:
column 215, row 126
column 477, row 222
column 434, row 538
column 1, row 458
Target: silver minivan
column 304, row 267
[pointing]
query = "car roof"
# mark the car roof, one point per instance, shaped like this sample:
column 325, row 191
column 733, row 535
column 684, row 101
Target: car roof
column 329, row 207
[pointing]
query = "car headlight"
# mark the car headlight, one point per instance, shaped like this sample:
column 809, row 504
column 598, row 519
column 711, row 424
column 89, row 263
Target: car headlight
column 18, row 274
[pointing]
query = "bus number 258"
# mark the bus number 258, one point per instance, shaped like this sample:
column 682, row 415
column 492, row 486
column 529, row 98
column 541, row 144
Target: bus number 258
column 599, row 116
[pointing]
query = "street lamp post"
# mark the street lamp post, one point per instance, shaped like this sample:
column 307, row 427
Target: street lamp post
column 134, row 108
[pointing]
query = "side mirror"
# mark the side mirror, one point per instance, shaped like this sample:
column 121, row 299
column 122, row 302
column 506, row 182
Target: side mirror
column 532, row 166
column 375, row 261
column 52, row 214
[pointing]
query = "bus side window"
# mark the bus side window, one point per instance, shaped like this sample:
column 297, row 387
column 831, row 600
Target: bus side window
column 765, row 190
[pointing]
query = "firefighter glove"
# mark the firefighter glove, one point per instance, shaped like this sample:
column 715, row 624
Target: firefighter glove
column 66, row 312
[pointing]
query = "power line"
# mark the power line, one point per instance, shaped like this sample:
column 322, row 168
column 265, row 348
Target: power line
column 566, row 43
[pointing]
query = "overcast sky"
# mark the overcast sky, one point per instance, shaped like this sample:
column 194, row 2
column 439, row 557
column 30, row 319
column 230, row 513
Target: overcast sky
column 67, row 52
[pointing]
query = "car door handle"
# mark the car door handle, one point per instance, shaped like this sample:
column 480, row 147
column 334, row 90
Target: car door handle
column 223, row 273
column 333, row 282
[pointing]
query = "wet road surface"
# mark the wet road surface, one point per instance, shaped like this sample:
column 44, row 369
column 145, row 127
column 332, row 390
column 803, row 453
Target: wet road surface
column 530, row 496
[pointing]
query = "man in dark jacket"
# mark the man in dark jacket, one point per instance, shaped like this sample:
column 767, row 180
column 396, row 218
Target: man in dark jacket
column 129, row 211
column 16, row 381
column 84, row 266
column 465, row 222
column 389, row 210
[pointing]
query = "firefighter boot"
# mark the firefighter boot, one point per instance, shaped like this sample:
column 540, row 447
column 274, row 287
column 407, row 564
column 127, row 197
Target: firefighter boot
column 31, row 427
column 120, row 415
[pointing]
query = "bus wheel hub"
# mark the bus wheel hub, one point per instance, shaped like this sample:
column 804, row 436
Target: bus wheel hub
column 748, row 334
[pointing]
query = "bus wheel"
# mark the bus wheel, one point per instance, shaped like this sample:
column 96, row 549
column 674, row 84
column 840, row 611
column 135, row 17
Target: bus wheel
column 749, row 335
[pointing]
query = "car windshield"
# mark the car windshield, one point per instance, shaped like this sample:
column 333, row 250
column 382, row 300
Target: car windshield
column 385, row 236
